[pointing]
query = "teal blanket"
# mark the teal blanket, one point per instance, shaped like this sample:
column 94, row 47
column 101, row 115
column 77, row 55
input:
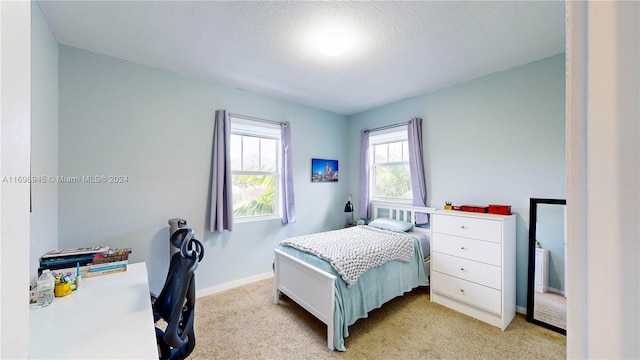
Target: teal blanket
column 374, row 288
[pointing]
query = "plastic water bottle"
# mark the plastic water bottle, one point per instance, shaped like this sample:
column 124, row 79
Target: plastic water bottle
column 45, row 287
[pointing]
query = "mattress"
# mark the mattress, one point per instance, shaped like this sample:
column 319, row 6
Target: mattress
column 423, row 238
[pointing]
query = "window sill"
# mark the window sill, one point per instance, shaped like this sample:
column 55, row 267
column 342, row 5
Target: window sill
column 392, row 201
column 255, row 219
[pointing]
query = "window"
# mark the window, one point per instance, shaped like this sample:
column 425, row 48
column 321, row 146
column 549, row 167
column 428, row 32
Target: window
column 390, row 174
column 255, row 164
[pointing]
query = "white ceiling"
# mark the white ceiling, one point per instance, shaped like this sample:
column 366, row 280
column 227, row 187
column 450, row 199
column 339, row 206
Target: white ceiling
column 398, row 49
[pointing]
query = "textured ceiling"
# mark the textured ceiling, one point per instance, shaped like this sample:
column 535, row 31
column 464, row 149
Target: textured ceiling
column 397, row 49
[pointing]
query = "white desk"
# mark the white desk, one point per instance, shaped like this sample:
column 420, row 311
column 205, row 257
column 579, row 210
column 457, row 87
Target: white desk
column 108, row 317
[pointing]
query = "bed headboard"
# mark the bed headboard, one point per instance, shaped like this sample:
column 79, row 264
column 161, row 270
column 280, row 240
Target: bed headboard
column 398, row 211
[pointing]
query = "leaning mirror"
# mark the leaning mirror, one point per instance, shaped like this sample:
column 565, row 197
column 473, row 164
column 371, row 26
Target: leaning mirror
column 546, row 296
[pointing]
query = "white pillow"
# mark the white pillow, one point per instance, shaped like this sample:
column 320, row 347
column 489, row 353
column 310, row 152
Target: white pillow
column 391, row 224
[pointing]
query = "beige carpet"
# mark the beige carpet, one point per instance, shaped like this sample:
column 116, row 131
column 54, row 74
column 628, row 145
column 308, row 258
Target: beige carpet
column 244, row 323
column 550, row 308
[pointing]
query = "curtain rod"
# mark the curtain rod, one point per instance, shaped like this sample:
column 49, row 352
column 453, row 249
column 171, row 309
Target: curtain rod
column 283, row 123
column 388, row 126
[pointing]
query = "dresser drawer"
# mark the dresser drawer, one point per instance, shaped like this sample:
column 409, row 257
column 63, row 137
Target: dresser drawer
column 477, row 295
column 483, row 251
column 479, row 273
column 483, row 229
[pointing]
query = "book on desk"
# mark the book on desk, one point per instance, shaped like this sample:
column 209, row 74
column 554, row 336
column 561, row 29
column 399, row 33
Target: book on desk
column 91, row 262
column 107, row 268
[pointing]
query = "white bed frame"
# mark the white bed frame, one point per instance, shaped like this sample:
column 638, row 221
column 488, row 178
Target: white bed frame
column 313, row 288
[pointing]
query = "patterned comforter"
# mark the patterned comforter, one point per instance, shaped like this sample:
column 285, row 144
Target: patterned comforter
column 353, row 251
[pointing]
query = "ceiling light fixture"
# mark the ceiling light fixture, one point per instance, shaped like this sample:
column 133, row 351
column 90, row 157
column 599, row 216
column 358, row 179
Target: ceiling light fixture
column 333, row 44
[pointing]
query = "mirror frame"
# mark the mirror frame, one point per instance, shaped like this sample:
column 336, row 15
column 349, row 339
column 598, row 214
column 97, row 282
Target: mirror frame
column 533, row 216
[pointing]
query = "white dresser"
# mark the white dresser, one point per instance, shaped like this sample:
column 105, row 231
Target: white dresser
column 542, row 272
column 473, row 267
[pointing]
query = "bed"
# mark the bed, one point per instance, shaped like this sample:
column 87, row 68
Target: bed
column 314, row 283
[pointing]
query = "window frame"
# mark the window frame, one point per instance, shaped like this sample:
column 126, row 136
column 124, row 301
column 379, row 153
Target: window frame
column 264, row 130
column 387, row 136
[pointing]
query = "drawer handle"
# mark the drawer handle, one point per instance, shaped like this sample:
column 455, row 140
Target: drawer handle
column 463, row 248
column 462, row 291
column 463, row 227
column 461, row 269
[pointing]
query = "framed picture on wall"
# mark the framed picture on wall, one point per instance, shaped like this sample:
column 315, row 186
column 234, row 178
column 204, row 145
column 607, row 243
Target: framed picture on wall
column 323, row 170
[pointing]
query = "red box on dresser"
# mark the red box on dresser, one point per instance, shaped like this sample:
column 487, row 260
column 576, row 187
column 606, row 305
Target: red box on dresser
column 500, row 209
column 473, row 208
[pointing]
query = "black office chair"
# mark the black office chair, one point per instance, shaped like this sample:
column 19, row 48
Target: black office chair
column 176, row 302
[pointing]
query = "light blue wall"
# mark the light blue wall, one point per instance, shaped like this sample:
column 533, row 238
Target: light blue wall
column 155, row 127
column 550, row 232
column 44, row 139
column 499, row 139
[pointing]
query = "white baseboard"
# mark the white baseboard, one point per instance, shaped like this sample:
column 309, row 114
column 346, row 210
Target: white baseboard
column 557, row 291
column 521, row 310
column 233, row 284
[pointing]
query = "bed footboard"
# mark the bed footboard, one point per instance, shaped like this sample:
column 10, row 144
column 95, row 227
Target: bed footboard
column 308, row 286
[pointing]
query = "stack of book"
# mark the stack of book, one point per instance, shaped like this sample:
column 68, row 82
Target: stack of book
column 91, row 261
column 68, row 260
column 109, row 262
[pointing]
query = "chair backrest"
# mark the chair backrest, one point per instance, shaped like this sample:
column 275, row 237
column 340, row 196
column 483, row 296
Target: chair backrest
column 176, row 302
